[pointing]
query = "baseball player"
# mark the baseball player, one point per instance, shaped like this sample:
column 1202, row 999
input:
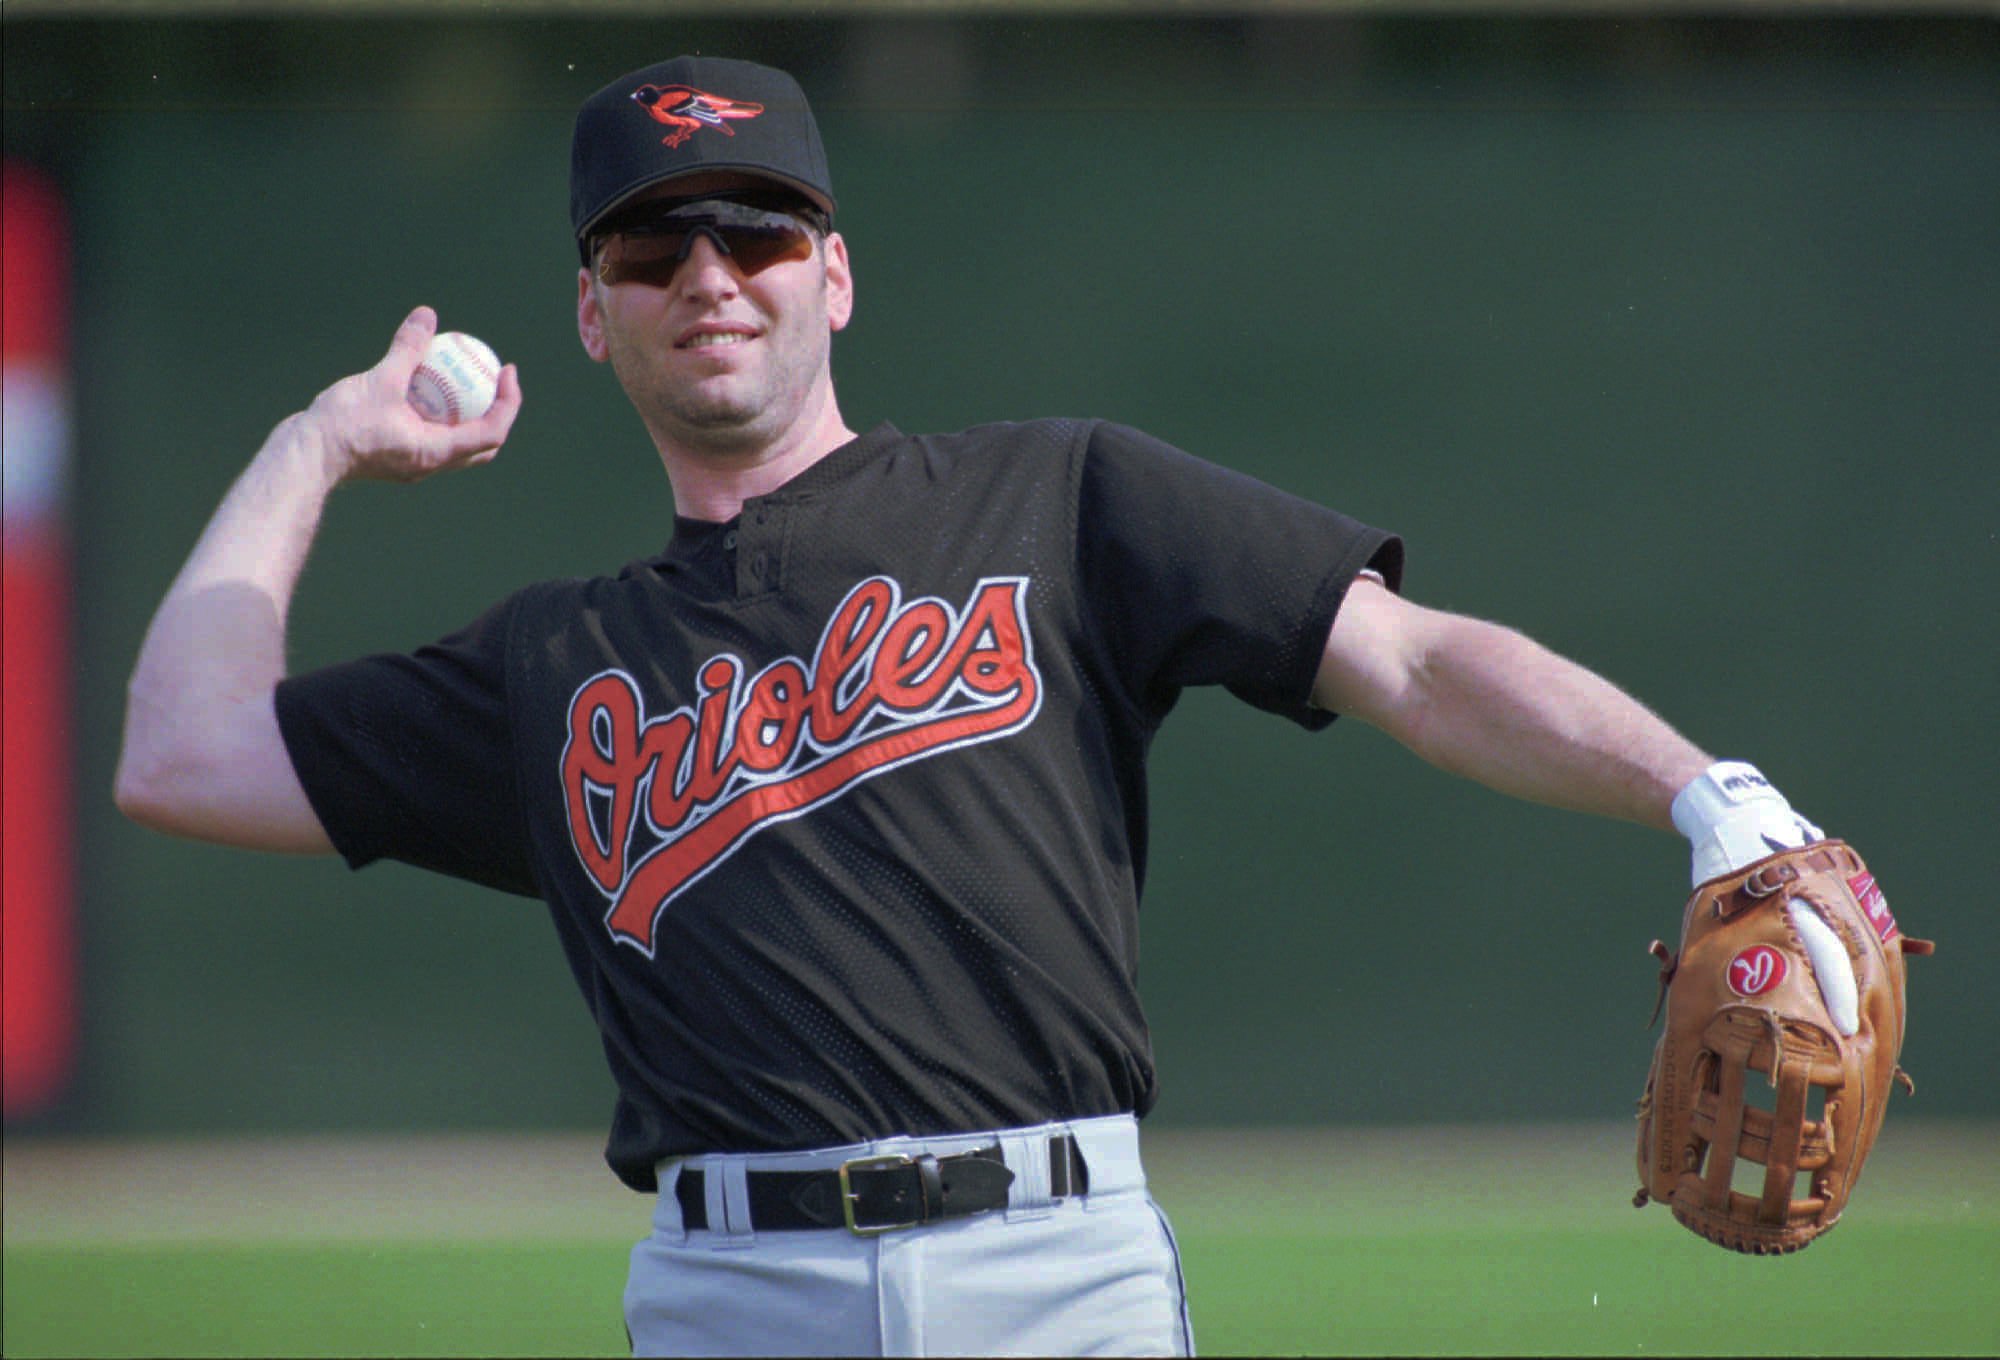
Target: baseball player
column 838, row 801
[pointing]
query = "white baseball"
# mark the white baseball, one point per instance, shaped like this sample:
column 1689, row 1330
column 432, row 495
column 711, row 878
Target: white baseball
column 457, row 379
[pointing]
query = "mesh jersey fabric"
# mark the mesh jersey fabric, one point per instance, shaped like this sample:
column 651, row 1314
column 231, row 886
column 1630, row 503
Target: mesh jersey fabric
column 839, row 809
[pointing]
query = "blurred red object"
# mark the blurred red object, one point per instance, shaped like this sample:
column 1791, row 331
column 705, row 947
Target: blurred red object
column 39, row 870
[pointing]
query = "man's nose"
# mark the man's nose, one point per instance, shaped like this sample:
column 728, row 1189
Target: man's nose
column 706, row 270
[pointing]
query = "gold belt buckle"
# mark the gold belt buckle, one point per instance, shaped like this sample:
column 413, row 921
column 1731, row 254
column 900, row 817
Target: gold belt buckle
column 848, row 1197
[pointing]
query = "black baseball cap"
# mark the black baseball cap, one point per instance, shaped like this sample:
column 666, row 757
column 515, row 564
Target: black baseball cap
column 688, row 114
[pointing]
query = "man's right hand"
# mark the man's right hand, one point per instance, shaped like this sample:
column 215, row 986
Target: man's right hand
column 364, row 426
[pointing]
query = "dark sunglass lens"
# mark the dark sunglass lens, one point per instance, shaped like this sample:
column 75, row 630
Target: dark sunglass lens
column 758, row 248
column 651, row 251
column 649, row 257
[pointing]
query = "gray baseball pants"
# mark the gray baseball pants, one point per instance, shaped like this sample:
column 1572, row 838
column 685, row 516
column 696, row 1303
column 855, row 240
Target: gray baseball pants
column 1095, row 1273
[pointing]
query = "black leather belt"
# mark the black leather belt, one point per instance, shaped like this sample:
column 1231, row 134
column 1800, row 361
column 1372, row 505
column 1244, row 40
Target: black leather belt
column 871, row 1195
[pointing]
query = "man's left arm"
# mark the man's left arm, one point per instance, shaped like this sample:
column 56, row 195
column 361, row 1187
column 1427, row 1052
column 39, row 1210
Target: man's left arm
column 1486, row 702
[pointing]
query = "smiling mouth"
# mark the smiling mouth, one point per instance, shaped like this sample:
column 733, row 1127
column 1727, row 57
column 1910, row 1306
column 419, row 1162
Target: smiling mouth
column 715, row 339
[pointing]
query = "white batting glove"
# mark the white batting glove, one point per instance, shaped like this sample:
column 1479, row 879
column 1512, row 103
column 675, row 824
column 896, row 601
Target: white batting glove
column 1733, row 817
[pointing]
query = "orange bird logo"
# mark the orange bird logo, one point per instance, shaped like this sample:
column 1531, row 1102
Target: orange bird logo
column 687, row 110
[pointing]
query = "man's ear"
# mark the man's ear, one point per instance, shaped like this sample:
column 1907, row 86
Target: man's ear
column 589, row 320
column 839, row 283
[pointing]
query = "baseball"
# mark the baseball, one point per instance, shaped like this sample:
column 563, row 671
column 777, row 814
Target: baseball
column 457, row 379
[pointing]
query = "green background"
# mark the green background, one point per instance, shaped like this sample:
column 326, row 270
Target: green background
column 1409, row 1241
column 1672, row 343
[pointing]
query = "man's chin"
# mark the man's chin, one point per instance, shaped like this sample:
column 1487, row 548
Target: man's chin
column 723, row 424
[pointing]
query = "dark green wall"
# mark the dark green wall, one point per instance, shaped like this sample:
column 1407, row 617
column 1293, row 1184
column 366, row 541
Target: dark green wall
column 1675, row 344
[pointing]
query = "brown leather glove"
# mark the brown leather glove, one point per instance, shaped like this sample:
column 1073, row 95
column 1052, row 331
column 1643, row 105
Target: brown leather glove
column 1784, row 1023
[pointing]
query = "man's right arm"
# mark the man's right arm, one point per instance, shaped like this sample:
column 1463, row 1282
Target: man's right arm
column 202, row 754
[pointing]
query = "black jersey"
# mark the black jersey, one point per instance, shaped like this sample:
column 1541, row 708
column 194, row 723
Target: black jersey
column 840, row 807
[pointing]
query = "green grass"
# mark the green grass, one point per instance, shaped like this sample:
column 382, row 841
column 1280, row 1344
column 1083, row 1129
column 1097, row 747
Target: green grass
column 1328, row 1242
column 455, row 1298
column 1898, row 1290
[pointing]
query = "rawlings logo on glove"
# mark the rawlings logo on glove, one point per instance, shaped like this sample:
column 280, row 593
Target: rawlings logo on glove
column 1756, row 970
column 1790, row 978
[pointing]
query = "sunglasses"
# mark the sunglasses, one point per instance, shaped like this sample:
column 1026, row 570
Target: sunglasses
column 648, row 243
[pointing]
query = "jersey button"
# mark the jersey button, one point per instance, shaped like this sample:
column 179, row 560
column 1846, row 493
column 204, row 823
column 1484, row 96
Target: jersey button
column 729, row 540
column 758, row 565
